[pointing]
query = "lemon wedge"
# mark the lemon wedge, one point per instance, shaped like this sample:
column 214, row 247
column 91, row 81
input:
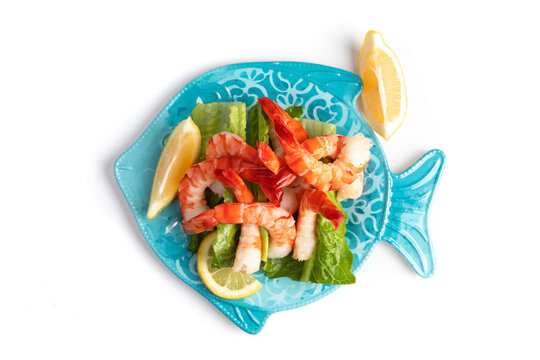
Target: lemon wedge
column 224, row 282
column 384, row 97
column 180, row 152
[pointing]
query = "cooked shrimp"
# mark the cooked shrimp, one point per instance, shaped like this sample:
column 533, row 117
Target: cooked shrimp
column 278, row 149
column 268, row 157
column 292, row 194
column 330, row 146
column 279, row 223
column 352, row 191
column 226, row 144
column 351, row 153
column 248, row 252
column 202, row 175
column 273, row 111
column 284, row 175
column 313, row 202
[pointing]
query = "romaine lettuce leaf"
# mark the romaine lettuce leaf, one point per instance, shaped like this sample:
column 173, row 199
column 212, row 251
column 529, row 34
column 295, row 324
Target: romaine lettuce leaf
column 213, row 118
column 295, row 111
column 258, row 126
column 331, row 262
column 333, row 258
column 313, row 127
column 284, row 267
column 225, row 243
column 317, row 128
column 212, row 199
column 196, row 240
column 258, row 131
column 264, row 240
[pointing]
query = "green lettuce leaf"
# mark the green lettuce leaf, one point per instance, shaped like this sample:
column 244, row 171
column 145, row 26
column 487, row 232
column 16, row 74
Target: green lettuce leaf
column 225, row 243
column 196, row 240
column 213, row 118
column 295, row 111
column 264, row 240
column 284, row 267
column 317, row 128
column 331, row 262
column 258, row 126
column 313, row 127
column 212, row 199
column 333, row 259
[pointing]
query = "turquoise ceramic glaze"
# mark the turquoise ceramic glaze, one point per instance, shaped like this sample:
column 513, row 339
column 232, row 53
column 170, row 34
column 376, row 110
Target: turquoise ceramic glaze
column 393, row 207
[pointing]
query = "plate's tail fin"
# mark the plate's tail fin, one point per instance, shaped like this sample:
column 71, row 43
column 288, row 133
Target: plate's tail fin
column 410, row 196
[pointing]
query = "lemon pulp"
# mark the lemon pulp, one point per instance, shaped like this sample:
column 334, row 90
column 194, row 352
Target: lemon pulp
column 224, row 282
column 384, row 97
column 180, row 152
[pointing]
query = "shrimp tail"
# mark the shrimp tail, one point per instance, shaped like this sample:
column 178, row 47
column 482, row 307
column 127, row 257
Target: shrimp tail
column 200, row 223
column 286, row 136
column 285, row 177
column 233, row 181
column 273, row 194
column 275, row 112
column 320, row 203
column 333, row 214
column 258, row 175
column 268, row 157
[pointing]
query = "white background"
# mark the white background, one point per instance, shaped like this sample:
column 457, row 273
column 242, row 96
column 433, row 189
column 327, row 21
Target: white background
column 80, row 82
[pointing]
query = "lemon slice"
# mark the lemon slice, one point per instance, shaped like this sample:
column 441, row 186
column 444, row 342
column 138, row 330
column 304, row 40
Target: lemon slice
column 224, row 282
column 180, row 152
column 384, row 97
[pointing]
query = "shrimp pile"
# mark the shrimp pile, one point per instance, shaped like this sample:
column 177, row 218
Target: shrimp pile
column 292, row 177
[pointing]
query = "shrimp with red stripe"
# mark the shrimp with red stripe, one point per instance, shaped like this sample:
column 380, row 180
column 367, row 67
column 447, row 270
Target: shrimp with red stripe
column 278, row 221
column 248, row 251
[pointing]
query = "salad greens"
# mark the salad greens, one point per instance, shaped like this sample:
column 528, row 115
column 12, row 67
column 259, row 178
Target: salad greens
column 258, row 131
column 217, row 117
column 295, row 111
column 330, row 263
column 213, row 118
column 313, row 127
column 317, row 128
column 332, row 259
column 258, row 126
column 284, row 267
column 224, row 244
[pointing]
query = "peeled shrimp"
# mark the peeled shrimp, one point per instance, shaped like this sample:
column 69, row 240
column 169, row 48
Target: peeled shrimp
column 279, row 223
column 330, row 146
column 225, row 144
column 248, row 252
column 202, row 175
column 351, row 154
column 313, row 202
column 292, row 194
column 352, row 191
column 284, row 175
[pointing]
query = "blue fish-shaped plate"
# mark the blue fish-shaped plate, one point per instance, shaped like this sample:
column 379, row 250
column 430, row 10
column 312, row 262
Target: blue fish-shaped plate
column 392, row 208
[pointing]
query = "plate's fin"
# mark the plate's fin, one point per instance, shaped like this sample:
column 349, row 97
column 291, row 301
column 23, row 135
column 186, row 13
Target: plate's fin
column 410, row 196
column 250, row 320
